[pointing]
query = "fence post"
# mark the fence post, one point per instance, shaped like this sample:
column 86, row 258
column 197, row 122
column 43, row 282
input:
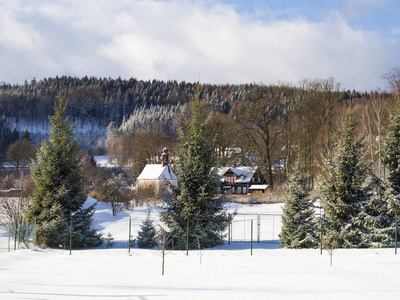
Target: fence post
column 187, row 238
column 27, row 235
column 34, row 234
column 251, row 236
column 70, row 237
column 15, row 235
column 395, row 236
column 231, row 230
column 129, row 239
column 9, row 236
column 258, row 228
column 229, row 233
column 320, row 225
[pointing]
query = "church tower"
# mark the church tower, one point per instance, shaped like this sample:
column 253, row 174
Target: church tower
column 164, row 157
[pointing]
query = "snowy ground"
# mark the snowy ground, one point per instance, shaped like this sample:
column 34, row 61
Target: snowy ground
column 226, row 272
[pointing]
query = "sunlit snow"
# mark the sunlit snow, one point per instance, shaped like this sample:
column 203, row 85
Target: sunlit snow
column 225, row 272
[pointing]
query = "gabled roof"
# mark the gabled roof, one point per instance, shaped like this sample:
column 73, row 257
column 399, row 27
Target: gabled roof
column 157, row 172
column 244, row 173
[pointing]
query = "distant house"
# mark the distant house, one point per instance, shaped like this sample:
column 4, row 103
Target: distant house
column 241, row 180
column 155, row 176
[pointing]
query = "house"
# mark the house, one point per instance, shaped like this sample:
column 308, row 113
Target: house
column 157, row 175
column 241, row 180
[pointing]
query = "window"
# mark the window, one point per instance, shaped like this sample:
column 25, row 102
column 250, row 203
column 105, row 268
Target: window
column 233, row 190
column 244, row 190
column 230, row 178
column 239, row 190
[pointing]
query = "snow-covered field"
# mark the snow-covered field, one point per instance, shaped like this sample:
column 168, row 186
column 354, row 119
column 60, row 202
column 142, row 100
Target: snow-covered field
column 226, row 272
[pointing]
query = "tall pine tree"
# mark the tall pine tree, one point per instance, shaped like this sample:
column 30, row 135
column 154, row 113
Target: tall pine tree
column 391, row 159
column 58, row 196
column 193, row 206
column 299, row 228
column 344, row 186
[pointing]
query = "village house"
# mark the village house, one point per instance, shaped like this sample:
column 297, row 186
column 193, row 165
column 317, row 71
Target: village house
column 156, row 176
column 241, row 180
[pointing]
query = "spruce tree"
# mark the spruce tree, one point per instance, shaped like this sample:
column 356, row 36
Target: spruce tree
column 147, row 234
column 375, row 217
column 193, row 207
column 58, row 196
column 391, row 159
column 344, row 186
column 299, row 228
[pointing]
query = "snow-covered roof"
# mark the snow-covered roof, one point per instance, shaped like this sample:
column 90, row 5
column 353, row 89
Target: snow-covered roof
column 244, row 173
column 157, row 172
column 258, row 187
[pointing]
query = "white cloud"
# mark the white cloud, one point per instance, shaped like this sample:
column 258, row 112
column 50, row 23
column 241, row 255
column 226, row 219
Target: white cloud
column 181, row 39
column 16, row 35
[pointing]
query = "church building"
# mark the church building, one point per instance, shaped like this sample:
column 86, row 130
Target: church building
column 156, row 176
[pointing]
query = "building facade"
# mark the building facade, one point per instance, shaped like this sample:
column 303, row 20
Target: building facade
column 241, row 180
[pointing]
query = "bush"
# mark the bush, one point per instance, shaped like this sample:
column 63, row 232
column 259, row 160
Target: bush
column 95, row 195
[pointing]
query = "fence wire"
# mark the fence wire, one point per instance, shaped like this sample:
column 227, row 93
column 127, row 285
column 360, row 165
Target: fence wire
column 266, row 228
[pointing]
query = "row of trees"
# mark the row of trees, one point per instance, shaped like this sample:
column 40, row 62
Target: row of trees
column 102, row 100
column 271, row 123
column 359, row 207
column 270, row 127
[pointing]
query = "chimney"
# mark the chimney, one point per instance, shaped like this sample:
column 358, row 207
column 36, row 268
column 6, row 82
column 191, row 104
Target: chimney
column 164, row 157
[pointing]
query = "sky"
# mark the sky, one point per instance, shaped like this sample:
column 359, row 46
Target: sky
column 221, row 42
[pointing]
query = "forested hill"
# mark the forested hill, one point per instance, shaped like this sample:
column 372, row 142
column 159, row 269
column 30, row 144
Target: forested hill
column 273, row 123
column 104, row 100
column 96, row 102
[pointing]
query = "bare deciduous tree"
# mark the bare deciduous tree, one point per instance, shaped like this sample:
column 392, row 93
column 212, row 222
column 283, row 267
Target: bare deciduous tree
column 163, row 238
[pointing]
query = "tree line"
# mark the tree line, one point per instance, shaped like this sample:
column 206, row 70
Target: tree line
column 357, row 209
column 267, row 125
column 270, row 127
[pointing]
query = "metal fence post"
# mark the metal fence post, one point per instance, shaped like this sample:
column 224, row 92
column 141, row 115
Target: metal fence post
column 258, row 228
column 187, row 238
column 251, row 236
column 129, row 239
column 229, row 233
column 9, row 236
column 320, row 224
column 70, row 238
column 34, row 241
column 15, row 235
column 395, row 236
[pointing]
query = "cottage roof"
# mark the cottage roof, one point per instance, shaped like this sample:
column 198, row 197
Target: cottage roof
column 157, row 172
column 244, row 173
